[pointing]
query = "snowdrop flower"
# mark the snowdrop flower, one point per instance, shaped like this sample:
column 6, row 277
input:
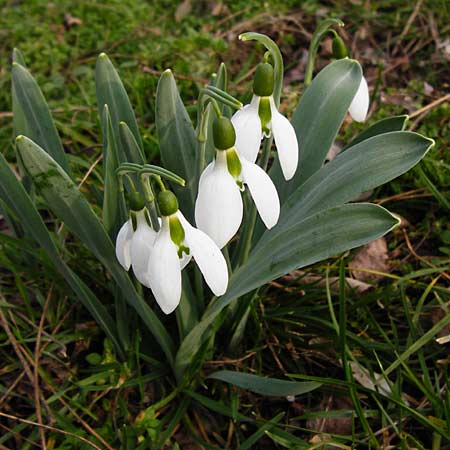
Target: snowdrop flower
column 219, row 208
column 135, row 240
column 176, row 242
column 261, row 118
column 360, row 103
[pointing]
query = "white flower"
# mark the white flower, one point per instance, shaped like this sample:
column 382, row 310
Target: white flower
column 360, row 103
column 133, row 247
column 219, row 208
column 250, row 130
column 178, row 236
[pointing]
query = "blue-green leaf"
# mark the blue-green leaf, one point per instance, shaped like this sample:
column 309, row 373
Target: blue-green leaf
column 69, row 205
column 177, row 141
column 33, row 115
column 114, row 210
column 272, row 387
column 317, row 120
column 110, row 91
column 14, row 195
column 313, row 239
column 394, row 123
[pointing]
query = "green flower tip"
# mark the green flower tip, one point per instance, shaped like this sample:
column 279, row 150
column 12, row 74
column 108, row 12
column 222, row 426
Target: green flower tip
column 20, row 138
column 339, row 48
column 168, row 203
column 103, row 55
column 224, row 134
column 15, row 64
column 167, row 72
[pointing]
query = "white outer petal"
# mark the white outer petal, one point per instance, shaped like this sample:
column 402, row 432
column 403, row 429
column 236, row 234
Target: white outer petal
column 218, row 208
column 208, row 257
column 263, row 192
column 247, row 126
column 164, row 271
column 285, row 141
column 123, row 244
column 360, row 103
column 140, row 249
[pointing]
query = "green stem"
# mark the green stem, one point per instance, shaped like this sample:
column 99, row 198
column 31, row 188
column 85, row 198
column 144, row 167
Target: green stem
column 321, row 30
column 247, row 238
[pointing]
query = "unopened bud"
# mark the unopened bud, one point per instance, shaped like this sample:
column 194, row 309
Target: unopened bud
column 339, row 48
column 264, row 80
column 223, row 133
column 168, row 203
column 136, row 201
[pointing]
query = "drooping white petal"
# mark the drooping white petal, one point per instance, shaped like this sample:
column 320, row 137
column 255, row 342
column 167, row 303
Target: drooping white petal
column 123, row 244
column 285, row 140
column 208, row 257
column 218, row 208
column 263, row 192
column 164, row 273
column 360, row 103
column 141, row 247
column 247, row 126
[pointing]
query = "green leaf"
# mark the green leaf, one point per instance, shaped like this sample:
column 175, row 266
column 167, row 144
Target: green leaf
column 110, row 91
column 33, row 115
column 317, row 120
column 250, row 442
column 177, row 140
column 306, row 242
column 272, row 387
column 14, row 195
column 69, row 204
column 129, row 144
column 366, row 165
column 18, row 58
column 114, row 209
column 394, row 123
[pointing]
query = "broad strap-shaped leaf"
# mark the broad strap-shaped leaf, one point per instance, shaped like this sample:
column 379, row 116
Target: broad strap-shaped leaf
column 272, row 387
column 394, row 123
column 114, row 210
column 318, row 237
column 33, row 115
column 110, row 91
column 363, row 167
column 317, row 120
column 68, row 204
column 177, row 141
column 14, row 195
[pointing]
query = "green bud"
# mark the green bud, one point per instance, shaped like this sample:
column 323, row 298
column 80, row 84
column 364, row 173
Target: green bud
column 136, row 201
column 168, row 203
column 265, row 114
column 264, row 80
column 223, row 133
column 339, row 48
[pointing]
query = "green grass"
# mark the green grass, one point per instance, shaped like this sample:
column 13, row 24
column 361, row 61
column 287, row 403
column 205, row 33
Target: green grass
column 296, row 328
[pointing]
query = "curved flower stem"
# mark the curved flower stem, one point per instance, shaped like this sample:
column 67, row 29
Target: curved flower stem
column 151, row 170
column 321, row 30
column 150, row 200
column 276, row 56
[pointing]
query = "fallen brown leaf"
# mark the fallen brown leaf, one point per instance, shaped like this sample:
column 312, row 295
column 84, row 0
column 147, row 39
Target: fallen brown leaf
column 373, row 256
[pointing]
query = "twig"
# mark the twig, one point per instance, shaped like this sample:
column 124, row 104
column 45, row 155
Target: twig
column 410, row 21
column 48, row 427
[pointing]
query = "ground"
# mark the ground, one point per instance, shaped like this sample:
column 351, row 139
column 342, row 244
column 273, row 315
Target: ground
column 397, row 289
